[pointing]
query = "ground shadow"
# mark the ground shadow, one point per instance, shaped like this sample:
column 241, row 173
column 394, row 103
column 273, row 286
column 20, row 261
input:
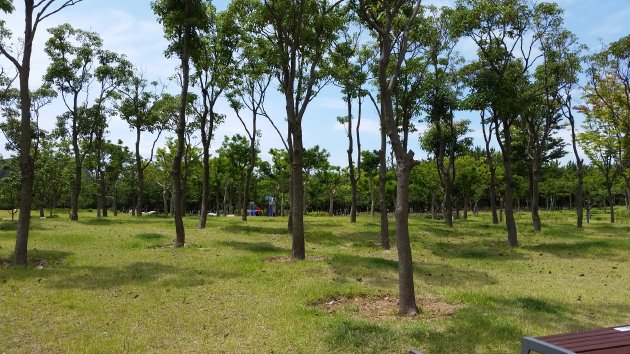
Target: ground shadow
column 256, row 247
column 138, row 273
column 581, row 248
column 384, row 272
column 243, row 228
column 37, row 260
column 477, row 249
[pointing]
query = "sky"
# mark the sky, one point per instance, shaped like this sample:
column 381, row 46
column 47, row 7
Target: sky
column 130, row 27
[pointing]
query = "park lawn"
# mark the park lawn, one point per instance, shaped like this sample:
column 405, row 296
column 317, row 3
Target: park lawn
column 116, row 284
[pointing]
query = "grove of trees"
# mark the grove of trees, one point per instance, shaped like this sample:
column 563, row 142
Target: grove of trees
column 530, row 84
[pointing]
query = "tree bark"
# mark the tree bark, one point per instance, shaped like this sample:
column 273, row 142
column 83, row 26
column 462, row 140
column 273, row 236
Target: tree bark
column 407, row 299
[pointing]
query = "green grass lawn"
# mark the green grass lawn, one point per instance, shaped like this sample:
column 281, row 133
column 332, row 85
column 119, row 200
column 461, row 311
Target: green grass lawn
column 116, row 285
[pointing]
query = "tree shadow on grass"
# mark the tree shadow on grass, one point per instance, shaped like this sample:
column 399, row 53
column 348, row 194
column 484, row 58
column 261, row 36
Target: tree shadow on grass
column 384, row 272
column 37, row 261
column 582, row 248
column 477, row 249
column 351, row 335
column 350, row 239
column 243, row 228
column 138, row 273
column 256, row 247
column 491, row 323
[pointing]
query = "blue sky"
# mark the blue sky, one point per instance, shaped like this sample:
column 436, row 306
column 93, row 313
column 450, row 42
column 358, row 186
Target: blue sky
column 129, row 27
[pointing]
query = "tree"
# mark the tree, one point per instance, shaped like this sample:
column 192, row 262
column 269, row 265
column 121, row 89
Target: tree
column 347, row 72
column 144, row 111
column 213, row 70
column 74, row 54
column 391, row 22
column 182, row 21
column 249, row 89
column 301, row 34
column 607, row 97
column 34, row 14
column 113, row 71
column 500, row 30
column 544, row 117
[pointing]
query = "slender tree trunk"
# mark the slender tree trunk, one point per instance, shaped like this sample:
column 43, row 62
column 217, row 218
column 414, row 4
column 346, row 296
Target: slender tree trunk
column 382, row 178
column 114, row 201
column 298, row 250
column 331, row 204
column 611, row 201
column 102, row 197
column 42, row 213
column 140, row 175
column 176, row 171
column 250, row 167
column 76, row 187
column 371, row 186
column 448, row 202
column 351, row 170
column 465, row 201
column 535, row 195
column 205, row 184
column 165, row 202
column 508, row 202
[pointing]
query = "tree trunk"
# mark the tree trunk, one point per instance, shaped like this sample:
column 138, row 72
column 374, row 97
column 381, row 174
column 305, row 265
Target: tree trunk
column 382, row 178
column 140, row 176
column 42, row 213
column 176, row 171
column 448, row 203
column 331, row 204
column 102, row 197
column 114, row 201
column 250, row 167
column 611, row 202
column 205, row 185
column 535, row 195
column 508, row 202
column 407, row 298
column 76, row 186
column 465, row 201
column 297, row 200
column 351, row 170
column 371, row 186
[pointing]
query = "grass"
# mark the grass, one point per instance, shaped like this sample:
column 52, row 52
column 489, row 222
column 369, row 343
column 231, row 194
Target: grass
column 118, row 285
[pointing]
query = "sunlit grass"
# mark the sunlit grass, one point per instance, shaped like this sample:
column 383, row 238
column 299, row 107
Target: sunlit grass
column 117, row 285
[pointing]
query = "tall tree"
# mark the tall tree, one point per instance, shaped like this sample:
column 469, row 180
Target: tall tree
column 501, row 31
column 391, row 23
column 213, row 69
column 543, row 119
column 348, row 73
column 301, row 34
column 144, row 111
column 112, row 72
column 74, row 54
column 182, row 21
column 34, row 14
column 249, row 88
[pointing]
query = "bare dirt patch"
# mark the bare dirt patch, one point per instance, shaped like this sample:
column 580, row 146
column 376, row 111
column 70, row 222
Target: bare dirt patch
column 385, row 307
column 288, row 259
